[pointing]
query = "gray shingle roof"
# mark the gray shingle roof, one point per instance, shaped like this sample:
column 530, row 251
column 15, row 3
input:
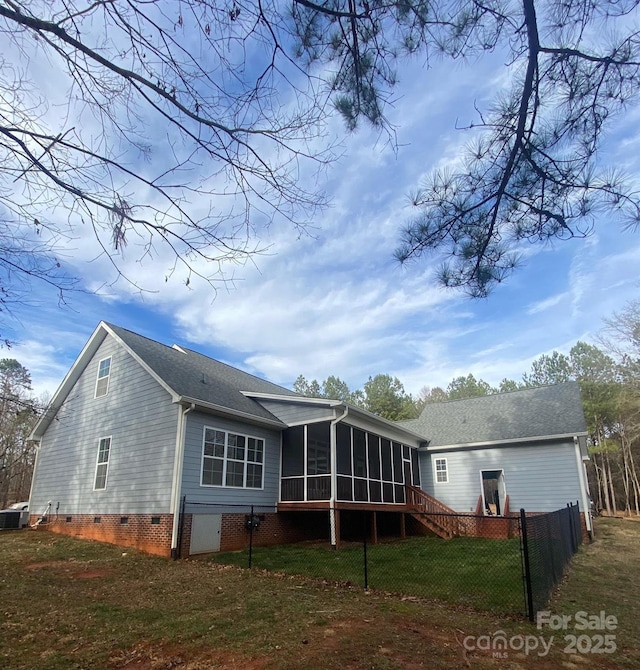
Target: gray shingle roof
column 199, row 377
column 535, row 412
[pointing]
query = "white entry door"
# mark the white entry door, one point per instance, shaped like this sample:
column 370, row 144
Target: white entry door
column 205, row 533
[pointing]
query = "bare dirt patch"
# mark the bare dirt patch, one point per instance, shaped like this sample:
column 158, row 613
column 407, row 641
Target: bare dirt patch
column 162, row 657
column 72, row 569
column 56, row 565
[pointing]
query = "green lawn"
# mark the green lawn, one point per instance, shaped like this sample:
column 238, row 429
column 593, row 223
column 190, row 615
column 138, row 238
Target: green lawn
column 481, row 573
column 67, row 603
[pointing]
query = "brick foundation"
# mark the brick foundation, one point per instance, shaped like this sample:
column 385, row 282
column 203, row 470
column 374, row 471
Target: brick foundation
column 585, row 533
column 138, row 532
column 274, row 529
column 281, row 528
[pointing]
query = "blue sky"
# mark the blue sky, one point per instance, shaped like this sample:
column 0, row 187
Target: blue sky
column 335, row 302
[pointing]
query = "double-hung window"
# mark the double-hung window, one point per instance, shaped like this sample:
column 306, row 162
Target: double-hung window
column 102, row 382
column 102, row 465
column 233, row 460
column 442, row 473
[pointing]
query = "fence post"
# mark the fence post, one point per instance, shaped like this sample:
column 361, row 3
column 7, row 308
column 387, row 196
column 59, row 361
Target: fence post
column 364, row 552
column 527, row 566
column 572, row 530
column 251, row 538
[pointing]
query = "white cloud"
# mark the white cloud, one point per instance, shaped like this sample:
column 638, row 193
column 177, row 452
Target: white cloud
column 547, row 303
column 336, row 302
column 46, row 363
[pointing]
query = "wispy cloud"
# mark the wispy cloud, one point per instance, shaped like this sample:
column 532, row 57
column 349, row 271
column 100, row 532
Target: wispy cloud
column 334, row 301
column 547, row 303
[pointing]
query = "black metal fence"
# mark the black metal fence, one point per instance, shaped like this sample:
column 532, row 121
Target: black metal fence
column 501, row 564
column 548, row 543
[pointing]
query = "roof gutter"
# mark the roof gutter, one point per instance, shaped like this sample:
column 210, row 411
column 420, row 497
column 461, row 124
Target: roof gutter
column 220, row 409
column 491, row 443
column 582, row 477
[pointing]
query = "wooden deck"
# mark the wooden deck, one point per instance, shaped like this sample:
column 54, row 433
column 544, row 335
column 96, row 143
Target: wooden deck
column 430, row 513
column 355, row 506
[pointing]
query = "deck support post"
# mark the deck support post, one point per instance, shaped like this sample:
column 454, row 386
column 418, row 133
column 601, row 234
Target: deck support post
column 403, row 527
column 374, row 528
column 335, row 528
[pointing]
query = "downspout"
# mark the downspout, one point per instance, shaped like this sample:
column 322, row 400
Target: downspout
column 583, row 489
column 35, row 471
column 176, row 487
column 334, row 476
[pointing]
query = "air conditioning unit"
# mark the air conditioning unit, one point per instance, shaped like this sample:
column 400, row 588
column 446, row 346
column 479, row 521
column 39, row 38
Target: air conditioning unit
column 10, row 520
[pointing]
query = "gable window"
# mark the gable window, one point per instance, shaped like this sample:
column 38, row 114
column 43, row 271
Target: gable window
column 232, row 460
column 102, row 383
column 442, row 472
column 102, row 466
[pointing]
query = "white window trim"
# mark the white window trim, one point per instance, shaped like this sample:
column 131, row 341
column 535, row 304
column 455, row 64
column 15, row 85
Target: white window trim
column 98, row 464
column 226, row 458
column 99, row 378
column 436, row 471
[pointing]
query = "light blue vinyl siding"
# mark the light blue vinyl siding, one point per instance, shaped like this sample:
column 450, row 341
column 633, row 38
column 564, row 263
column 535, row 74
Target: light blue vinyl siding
column 138, row 415
column 296, row 413
column 539, row 478
column 191, row 488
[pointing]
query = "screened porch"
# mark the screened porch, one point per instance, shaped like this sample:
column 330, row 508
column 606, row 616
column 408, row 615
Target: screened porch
column 325, row 460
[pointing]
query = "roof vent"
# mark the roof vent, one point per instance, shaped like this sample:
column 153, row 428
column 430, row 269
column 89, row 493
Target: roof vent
column 204, row 379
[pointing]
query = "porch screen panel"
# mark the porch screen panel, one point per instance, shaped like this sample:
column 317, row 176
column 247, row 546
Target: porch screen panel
column 375, row 491
column 397, row 463
column 293, row 452
column 385, row 451
column 343, row 449
column 318, row 452
column 360, row 492
column 318, row 488
column 415, row 467
column 407, row 472
column 345, row 488
column 292, row 484
column 292, row 490
column 373, row 448
column 359, row 453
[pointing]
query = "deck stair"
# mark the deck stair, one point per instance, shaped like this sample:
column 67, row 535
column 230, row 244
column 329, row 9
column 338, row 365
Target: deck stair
column 433, row 514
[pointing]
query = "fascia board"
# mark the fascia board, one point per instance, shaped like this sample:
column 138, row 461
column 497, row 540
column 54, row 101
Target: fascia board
column 220, row 409
column 391, row 426
column 368, row 416
column 497, row 443
column 293, row 399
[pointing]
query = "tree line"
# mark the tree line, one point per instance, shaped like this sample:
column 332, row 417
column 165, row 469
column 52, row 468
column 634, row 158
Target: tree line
column 609, row 379
column 19, row 411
